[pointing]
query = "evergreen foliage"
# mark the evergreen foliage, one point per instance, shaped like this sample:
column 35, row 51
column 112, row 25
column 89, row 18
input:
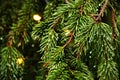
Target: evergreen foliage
column 73, row 40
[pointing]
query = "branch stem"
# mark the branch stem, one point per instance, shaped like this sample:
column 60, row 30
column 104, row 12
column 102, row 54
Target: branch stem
column 56, row 22
column 102, row 10
column 70, row 39
column 113, row 23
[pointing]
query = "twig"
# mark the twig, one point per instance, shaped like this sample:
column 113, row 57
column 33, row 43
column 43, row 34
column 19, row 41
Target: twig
column 9, row 42
column 56, row 22
column 113, row 23
column 102, row 10
column 66, row 1
column 81, row 7
column 46, row 64
column 78, row 55
column 70, row 39
column 80, row 45
column 106, row 57
column 94, row 16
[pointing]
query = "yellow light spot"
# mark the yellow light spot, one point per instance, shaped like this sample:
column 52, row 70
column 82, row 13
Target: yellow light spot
column 67, row 32
column 37, row 17
column 20, row 61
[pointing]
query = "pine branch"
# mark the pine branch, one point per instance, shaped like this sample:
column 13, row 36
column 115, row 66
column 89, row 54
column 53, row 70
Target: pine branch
column 11, row 64
column 102, row 10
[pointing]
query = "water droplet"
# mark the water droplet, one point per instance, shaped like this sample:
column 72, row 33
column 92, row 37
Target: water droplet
column 99, row 4
column 33, row 45
column 89, row 56
column 35, row 37
column 96, row 9
column 1, row 38
column 90, row 52
column 89, row 41
column 94, row 66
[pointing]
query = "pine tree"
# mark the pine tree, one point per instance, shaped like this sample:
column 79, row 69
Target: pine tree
column 59, row 40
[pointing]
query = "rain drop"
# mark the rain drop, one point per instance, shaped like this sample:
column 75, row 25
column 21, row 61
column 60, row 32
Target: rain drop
column 94, row 66
column 35, row 37
column 90, row 52
column 1, row 38
column 96, row 9
column 33, row 45
column 89, row 41
column 99, row 4
column 89, row 56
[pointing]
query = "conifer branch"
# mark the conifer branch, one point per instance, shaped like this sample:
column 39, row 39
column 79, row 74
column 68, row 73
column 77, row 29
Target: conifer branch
column 102, row 10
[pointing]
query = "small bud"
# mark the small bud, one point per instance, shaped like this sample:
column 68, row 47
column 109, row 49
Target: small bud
column 20, row 61
column 37, row 17
column 67, row 32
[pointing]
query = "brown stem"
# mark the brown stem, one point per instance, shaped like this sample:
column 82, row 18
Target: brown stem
column 106, row 57
column 45, row 64
column 105, row 54
column 70, row 39
column 81, row 7
column 102, row 10
column 66, row 1
column 113, row 23
column 81, row 10
column 78, row 55
column 80, row 50
column 9, row 42
column 56, row 22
